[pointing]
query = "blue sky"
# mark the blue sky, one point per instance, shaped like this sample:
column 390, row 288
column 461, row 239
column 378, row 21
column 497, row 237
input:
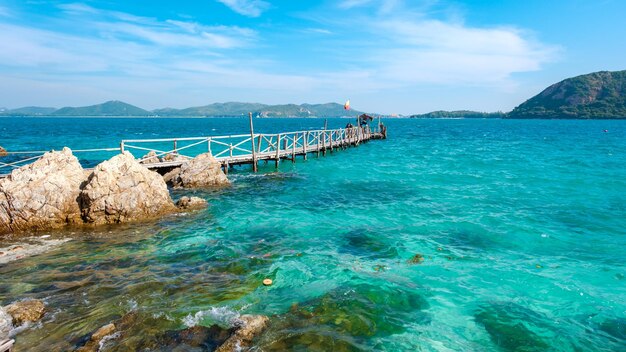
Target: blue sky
column 387, row 56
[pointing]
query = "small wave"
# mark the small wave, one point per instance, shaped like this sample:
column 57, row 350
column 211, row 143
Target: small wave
column 217, row 315
column 34, row 246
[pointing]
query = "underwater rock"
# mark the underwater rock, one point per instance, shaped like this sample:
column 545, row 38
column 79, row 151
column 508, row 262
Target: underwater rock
column 191, row 203
column 248, row 327
column 366, row 244
column 416, row 259
column 43, row 194
column 615, row 327
column 93, row 345
column 150, row 158
column 122, row 190
column 512, row 327
column 201, row 171
column 359, row 311
column 3, row 152
column 25, row 311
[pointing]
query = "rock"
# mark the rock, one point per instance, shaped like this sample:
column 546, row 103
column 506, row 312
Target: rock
column 150, row 158
column 25, row 311
column 93, row 345
column 191, row 203
column 122, row 190
column 43, row 194
column 201, row 171
column 249, row 327
column 3, row 152
column 174, row 157
column 170, row 176
column 416, row 259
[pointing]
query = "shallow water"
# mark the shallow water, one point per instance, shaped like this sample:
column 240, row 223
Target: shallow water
column 521, row 225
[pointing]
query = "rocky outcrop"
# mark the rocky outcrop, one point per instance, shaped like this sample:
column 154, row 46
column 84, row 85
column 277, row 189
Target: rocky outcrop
column 249, row 326
column 191, row 203
column 93, row 345
column 122, row 190
column 3, row 152
column 150, row 158
column 43, row 194
column 25, row 311
column 199, row 172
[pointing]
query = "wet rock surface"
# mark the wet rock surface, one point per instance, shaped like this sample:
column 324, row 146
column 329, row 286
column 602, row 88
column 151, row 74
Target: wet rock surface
column 3, row 152
column 191, row 203
column 248, row 327
column 122, row 190
column 41, row 195
column 25, row 311
column 201, row 171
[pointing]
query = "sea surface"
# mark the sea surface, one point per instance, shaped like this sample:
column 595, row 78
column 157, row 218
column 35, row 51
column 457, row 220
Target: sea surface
column 452, row 235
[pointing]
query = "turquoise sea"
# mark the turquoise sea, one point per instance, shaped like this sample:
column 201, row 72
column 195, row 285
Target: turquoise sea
column 521, row 226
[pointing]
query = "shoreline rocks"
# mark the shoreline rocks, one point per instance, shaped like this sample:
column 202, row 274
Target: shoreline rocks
column 191, row 203
column 122, row 190
column 150, row 158
column 56, row 191
column 199, row 172
column 43, row 194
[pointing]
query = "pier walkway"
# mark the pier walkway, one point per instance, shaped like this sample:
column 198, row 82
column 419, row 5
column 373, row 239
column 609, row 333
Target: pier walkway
column 168, row 153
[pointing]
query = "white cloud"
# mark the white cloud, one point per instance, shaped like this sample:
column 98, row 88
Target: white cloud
column 250, row 8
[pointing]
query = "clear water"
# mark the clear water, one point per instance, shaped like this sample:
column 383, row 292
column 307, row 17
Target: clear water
column 521, row 225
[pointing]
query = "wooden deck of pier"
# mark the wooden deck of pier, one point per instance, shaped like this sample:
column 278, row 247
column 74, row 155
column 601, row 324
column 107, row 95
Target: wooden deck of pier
column 228, row 150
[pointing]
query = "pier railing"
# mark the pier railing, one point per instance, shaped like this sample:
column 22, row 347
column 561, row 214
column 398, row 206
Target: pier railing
column 228, row 150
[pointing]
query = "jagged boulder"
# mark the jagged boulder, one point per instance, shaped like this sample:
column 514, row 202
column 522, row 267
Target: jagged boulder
column 191, row 203
column 249, row 326
column 121, row 190
column 201, row 171
column 43, row 194
column 150, row 158
column 26, row 311
column 93, row 345
column 3, row 152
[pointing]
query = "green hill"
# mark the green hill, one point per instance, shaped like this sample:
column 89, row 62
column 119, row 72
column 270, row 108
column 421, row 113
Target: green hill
column 110, row 108
column 459, row 114
column 599, row 95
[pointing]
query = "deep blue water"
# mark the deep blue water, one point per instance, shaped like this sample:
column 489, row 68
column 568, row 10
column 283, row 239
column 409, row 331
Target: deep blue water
column 521, row 225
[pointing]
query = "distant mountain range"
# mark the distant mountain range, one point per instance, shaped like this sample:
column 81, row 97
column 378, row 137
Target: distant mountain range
column 118, row 108
column 598, row 95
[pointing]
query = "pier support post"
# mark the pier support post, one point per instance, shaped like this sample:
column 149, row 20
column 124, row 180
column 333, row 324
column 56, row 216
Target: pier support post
column 254, row 165
column 278, row 150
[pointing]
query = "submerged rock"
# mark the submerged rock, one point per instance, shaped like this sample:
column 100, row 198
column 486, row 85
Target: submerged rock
column 150, row 158
column 25, row 311
column 43, row 194
column 3, row 152
column 201, row 171
column 513, row 327
column 191, row 203
column 341, row 318
column 249, row 326
column 122, row 190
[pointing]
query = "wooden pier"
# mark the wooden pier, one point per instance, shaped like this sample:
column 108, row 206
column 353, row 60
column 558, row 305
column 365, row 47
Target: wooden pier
column 169, row 153
column 254, row 147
